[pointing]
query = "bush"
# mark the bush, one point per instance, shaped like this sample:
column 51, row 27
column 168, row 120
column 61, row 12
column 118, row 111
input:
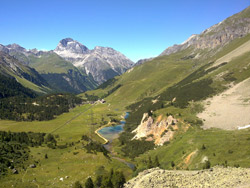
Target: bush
column 89, row 183
column 77, row 184
column 207, row 165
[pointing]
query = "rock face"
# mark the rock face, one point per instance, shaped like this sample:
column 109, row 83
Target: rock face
column 215, row 177
column 102, row 63
column 161, row 131
column 218, row 35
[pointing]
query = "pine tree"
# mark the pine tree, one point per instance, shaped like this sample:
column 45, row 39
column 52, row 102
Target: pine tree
column 172, row 164
column 150, row 163
column 156, row 162
column 119, row 179
column 107, row 183
column 89, row 183
column 98, row 181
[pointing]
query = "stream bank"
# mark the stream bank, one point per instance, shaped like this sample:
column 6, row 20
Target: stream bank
column 109, row 134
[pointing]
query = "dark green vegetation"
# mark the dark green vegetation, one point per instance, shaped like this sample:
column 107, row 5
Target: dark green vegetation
column 133, row 148
column 21, row 108
column 9, row 87
column 93, row 146
column 104, row 179
column 22, row 104
column 14, row 149
column 111, row 179
column 27, row 76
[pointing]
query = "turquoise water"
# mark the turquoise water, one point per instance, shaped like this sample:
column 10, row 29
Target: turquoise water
column 111, row 133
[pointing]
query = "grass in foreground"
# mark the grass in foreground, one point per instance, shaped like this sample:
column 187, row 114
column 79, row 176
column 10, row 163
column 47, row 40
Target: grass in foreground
column 73, row 161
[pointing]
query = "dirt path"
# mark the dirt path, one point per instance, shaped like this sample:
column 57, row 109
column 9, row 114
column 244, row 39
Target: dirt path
column 188, row 158
column 96, row 132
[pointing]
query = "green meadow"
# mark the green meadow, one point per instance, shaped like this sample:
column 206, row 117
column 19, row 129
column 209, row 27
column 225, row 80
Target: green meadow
column 72, row 161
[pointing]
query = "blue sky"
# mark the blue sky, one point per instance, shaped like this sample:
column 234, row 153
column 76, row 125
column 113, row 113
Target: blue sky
column 137, row 28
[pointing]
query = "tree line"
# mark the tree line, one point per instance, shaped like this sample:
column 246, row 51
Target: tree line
column 20, row 108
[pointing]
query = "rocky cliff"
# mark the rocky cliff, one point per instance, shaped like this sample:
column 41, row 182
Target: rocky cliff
column 218, row 35
column 161, row 130
column 102, row 63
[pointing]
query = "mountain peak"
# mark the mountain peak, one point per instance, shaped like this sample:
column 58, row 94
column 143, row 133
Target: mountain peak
column 16, row 47
column 72, row 46
column 65, row 41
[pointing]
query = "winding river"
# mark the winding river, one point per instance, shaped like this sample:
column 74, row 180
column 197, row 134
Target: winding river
column 111, row 133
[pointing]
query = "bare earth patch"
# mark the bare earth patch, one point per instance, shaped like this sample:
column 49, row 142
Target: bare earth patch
column 230, row 109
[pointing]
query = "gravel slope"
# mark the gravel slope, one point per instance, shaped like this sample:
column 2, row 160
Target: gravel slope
column 217, row 177
column 230, row 109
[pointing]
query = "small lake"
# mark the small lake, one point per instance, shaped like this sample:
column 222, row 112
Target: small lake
column 111, row 133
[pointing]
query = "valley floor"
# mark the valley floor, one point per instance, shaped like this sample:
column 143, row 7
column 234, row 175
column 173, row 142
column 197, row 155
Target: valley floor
column 64, row 166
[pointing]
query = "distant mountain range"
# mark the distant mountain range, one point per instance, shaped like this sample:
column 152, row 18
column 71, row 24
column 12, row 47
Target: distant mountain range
column 71, row 67
column 102, row 63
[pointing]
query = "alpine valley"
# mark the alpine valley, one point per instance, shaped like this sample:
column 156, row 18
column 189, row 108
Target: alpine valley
column 75, row 116
column 71, row 67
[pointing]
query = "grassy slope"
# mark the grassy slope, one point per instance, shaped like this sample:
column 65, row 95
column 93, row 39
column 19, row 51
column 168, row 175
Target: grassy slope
column 54, row 69
column 154, row 77
column 62, row 162
column 26, row 83
column 221, row 146
column 34, row 87
column 149, row 79
column 50, row 63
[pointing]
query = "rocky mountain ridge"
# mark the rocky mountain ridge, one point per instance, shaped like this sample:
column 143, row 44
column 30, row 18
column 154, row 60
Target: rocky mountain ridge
column 102, row 62
column 141, row 61
column 218, row 35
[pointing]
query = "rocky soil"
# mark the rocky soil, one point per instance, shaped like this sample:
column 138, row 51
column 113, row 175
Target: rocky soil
column 217, row 177
column 158, row 130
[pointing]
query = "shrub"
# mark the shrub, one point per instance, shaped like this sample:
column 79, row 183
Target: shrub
column 207, row 165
